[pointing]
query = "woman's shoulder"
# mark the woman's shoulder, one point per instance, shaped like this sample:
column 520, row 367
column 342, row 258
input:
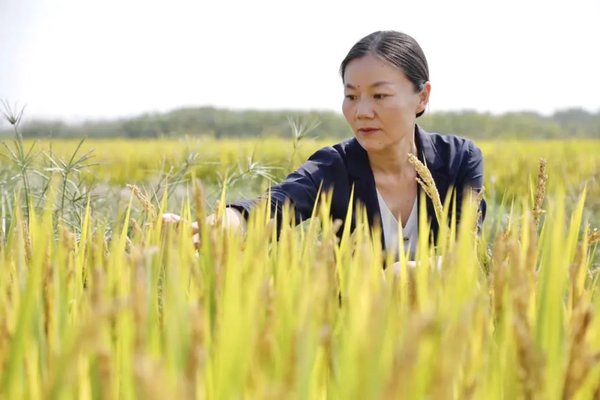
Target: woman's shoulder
column 326, row 160
column 447, row 146
column 448, row 142
column 339, row 152
column 345, row 158
column 450, row 152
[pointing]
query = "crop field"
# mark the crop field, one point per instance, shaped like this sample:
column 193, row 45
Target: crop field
column 100, row 300
column 247, row 167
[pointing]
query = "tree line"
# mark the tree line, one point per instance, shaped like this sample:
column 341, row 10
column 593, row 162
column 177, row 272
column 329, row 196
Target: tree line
column 222, row 123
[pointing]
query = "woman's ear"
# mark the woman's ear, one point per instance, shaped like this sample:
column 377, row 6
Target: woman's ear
column 424, row 97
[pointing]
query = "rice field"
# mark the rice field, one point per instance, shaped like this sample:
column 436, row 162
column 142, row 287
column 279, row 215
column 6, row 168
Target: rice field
column 100, row 300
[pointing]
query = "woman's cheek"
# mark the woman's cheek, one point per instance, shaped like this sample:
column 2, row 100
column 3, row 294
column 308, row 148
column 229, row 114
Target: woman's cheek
column 347, row 110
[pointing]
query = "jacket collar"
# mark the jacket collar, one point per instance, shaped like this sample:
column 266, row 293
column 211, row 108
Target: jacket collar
column 360, row 170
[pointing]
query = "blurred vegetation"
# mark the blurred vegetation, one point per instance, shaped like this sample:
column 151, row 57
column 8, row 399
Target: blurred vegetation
column 222, row 123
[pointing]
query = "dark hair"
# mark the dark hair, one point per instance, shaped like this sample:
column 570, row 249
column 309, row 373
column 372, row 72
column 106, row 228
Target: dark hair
column 397, row 48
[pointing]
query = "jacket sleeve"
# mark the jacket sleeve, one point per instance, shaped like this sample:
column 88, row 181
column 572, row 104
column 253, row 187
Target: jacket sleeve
column 301, row 187
column 470, row 177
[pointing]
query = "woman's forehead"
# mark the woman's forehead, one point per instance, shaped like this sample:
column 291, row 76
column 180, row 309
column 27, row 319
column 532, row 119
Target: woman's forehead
column 372, row 71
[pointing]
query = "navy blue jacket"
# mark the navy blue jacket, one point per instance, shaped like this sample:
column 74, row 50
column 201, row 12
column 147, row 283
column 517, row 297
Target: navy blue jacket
column 453, row 162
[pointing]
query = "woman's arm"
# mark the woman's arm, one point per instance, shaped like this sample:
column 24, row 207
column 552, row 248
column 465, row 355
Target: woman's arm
column 323, row 170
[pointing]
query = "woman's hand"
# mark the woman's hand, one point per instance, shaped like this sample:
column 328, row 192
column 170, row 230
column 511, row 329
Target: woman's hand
column 175, row 220
column 413, row 264
column 232, row 219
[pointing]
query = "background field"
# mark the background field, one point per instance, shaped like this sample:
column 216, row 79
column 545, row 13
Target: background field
column 511, row 166
column 101, row 300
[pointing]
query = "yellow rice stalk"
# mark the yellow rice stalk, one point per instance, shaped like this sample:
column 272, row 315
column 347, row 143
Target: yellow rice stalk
column 304, row 316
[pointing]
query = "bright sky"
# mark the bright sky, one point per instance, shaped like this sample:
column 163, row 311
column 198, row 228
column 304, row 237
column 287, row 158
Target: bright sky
column 77, row 59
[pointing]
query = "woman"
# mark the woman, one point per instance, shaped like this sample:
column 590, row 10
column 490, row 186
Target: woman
column 386, row 88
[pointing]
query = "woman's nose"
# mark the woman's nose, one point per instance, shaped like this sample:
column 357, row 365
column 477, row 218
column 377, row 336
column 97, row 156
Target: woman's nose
column 364, row 109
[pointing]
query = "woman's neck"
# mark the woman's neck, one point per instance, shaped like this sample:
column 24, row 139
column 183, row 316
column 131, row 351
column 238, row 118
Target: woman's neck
column 394, row 159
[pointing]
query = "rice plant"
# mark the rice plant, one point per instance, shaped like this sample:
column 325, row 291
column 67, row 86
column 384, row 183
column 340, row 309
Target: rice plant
column 146, row 315
column 128, row 307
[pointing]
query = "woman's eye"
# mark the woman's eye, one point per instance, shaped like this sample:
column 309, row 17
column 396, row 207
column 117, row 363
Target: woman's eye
column 351, row 97
column 380, row 96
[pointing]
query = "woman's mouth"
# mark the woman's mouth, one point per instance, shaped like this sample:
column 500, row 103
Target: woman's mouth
column 367, row 131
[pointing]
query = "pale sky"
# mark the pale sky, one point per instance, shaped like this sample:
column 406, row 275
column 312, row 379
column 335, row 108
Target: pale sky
column 76, row 59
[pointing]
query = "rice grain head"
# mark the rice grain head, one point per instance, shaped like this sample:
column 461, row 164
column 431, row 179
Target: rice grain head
column 425, row 179
column 594, row 237
column 540, row 192
column 147, row 204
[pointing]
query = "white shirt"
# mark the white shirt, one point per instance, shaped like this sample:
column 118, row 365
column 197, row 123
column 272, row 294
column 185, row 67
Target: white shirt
column 392, row 228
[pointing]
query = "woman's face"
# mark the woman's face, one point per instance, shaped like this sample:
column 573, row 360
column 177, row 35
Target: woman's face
column 380, row 103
